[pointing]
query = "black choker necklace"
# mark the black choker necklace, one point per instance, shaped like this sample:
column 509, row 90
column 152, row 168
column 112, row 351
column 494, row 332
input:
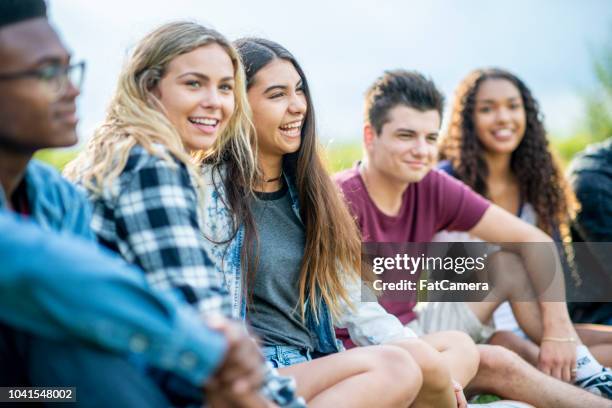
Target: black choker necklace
column 274, row 179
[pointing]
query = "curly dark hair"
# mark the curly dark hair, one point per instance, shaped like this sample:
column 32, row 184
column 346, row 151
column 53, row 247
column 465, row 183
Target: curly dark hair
column 540, row 179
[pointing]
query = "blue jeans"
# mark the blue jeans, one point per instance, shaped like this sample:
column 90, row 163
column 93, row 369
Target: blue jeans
column 285, row 356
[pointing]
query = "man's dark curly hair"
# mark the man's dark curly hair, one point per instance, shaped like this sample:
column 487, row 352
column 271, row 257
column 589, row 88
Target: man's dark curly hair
column 540, row 179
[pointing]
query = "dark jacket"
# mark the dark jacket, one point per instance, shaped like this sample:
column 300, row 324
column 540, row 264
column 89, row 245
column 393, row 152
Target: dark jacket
column 591, row 179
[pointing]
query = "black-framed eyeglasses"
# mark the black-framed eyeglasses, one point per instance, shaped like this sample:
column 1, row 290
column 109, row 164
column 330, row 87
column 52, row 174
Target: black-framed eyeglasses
column 56, row 76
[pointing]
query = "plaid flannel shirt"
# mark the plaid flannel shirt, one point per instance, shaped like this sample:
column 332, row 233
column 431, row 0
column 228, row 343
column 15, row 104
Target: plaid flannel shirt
column 150, row 216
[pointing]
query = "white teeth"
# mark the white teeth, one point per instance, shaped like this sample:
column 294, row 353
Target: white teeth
column 204, row 121
column 293, row 125
column 503, row 133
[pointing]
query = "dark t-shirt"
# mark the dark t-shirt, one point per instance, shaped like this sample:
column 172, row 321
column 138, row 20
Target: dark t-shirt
column 436, row 203
column 274, row 311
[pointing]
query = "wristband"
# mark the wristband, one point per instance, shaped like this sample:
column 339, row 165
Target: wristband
column 559, row 339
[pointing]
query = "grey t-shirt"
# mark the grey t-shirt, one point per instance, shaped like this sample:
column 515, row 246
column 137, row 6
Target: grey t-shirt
column 273, row 312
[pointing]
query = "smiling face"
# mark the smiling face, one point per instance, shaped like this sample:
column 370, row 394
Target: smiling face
column 499, row 116
column 405, row 150
column 32, row 116
column 279, row 107
column 197, row 93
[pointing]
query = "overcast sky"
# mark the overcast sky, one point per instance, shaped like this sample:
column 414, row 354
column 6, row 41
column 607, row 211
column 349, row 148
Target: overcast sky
column 344, row 45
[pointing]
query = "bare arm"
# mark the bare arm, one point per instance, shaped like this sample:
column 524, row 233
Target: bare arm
column 537, row 249
column 545, row 272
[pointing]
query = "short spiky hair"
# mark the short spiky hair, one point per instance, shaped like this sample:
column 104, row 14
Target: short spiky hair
column 400, row 87
column 15, row 11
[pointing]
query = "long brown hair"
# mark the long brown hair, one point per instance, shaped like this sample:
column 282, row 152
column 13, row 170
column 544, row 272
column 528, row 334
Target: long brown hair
column 539, row 176
column 333, row 243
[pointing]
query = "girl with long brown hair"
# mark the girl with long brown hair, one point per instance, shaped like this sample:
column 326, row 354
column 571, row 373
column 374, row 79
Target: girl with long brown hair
column 290, row 252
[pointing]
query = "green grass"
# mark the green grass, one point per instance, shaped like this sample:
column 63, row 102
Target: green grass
column 341, row 156
column 57, row 158
column 485, row 399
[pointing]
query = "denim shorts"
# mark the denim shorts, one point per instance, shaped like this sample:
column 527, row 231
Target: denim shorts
column 284, row 356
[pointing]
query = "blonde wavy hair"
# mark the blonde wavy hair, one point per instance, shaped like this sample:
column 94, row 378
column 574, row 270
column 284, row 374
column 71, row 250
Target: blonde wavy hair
column 136, row 116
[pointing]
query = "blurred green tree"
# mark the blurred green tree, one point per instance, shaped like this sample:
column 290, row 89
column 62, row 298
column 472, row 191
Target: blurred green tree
column 599, row 100
column 597, row 122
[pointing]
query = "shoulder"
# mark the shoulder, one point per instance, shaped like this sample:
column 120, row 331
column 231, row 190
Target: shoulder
column 56, row 202
column 449, row 191
column 49, row 182
column 437, row 180
column 447, row 167
column 38, row 171
column 349, row 181
column 149, row 182
column 590, row 173
column 442, row 178
column 149, row 170
column 139, row 158
column 595, row 158
column 353, row 191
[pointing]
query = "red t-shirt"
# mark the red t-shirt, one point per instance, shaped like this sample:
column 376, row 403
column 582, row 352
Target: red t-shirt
column 438, row 202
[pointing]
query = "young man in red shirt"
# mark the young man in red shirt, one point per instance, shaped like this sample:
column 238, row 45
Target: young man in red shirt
column 397, row 196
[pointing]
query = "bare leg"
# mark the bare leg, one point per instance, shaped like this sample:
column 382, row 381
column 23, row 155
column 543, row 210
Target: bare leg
column 458, row 351
column 514, row 286
column 380, row 376
column 442, row 356
column 602, row 353
column 504, row 373
column 594, row 334
column 529, row 351
column 525, row 348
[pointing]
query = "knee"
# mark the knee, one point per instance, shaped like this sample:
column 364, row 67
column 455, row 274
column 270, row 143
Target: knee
column 504, row 258
column 504, row 261
column 399, row 370
column 508, row 272
column 464, row 345
column 499, row 360
column 502, row 337
column 498, row 368
column 398, row 363
column 436, row 373
column 510, row 341
column 462, row 342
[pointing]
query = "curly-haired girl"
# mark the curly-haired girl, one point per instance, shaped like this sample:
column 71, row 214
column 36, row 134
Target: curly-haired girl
column 496, row 143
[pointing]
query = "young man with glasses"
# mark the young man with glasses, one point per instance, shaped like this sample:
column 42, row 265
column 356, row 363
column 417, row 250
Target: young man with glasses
column 72, row 314
column 38, row 91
